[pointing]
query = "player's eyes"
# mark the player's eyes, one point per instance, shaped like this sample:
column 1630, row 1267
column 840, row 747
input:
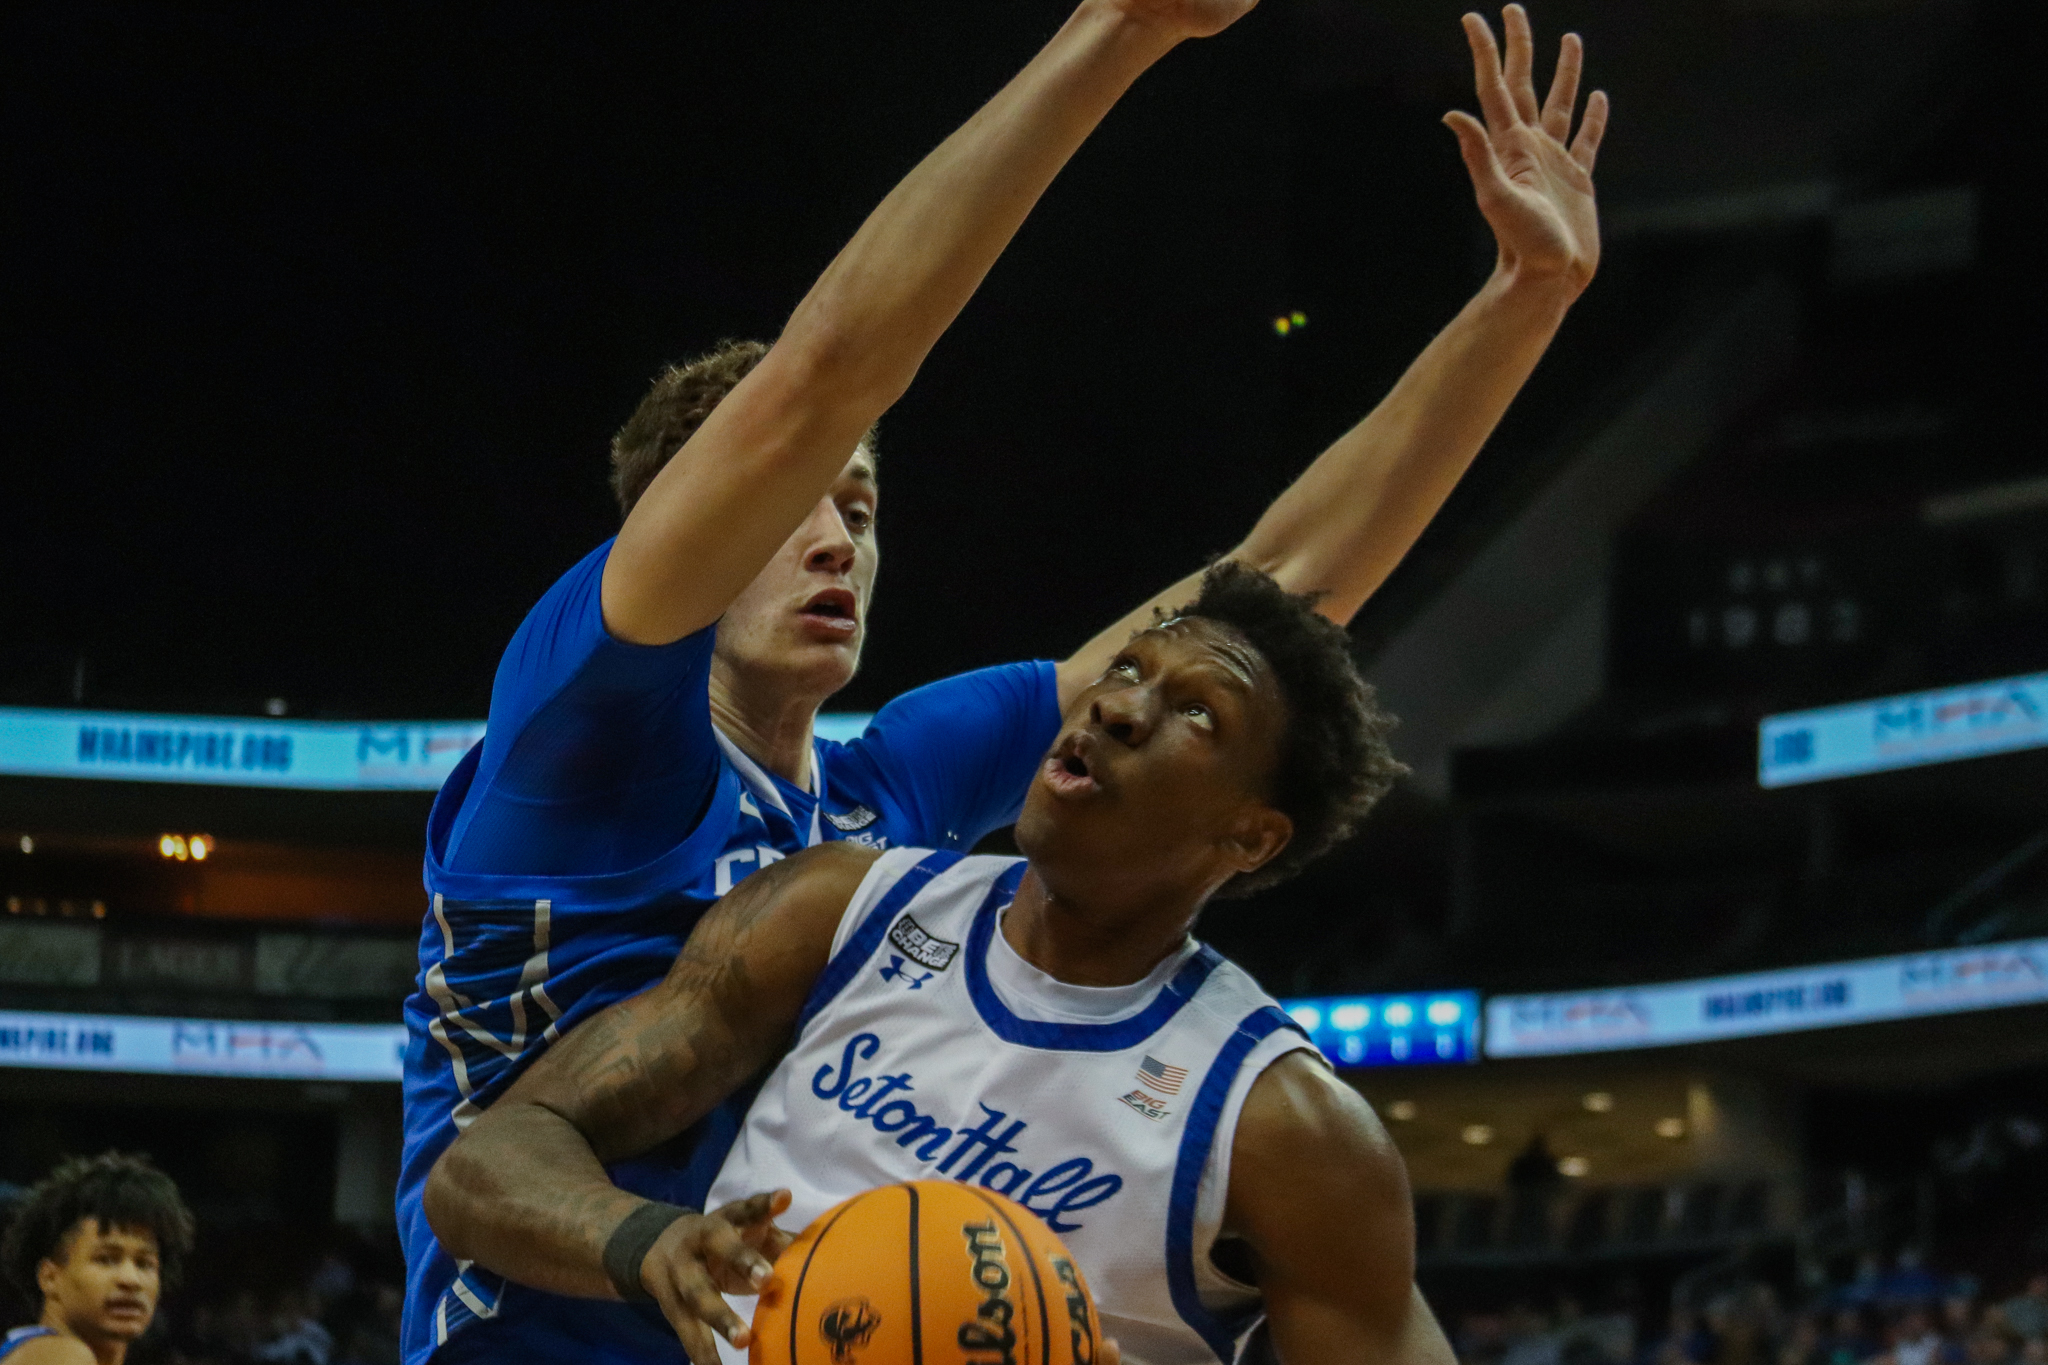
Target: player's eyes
column 1123, row 668
column 1199, row 714
column 858, row 519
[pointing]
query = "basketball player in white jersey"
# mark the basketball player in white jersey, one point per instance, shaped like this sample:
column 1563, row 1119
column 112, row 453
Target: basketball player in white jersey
column 1045, row 1027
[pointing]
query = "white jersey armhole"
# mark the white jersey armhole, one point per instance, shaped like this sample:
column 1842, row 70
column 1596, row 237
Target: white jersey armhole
column 1220, row 1292
column 891, row 865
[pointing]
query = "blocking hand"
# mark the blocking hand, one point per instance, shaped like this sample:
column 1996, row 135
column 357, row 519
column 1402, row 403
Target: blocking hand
column 701, row 1257
column 1533, row 179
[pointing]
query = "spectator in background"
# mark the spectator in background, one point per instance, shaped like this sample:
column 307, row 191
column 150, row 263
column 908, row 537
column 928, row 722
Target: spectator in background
column 1482, row 1338
column 2027, row 1312
column 296, row 1335
column 372, row 1338
column 1530, row 1340
column 1959, row 1320
column 1849, row 1342
column 1993, row 1345
column 1910, row 1283
column 93, row 1246
column 1689, row 1342
column 1914, row 1340
column 1804, row 1344
column 1744, row 1322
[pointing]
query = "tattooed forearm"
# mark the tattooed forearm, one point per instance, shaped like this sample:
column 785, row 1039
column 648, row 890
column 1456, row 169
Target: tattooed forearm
column 524, row 1190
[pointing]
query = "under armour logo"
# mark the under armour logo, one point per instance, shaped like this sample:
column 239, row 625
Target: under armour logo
column 896, row 971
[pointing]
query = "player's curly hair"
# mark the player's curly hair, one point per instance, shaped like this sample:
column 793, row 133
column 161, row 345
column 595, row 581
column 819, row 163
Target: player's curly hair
column 681, row 398
column 1334, row 763
column 118, row 1190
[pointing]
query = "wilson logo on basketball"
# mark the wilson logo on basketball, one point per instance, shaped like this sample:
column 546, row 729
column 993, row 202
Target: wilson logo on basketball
column 1077, row 1310
column 990, row 1331
column 847, row 1325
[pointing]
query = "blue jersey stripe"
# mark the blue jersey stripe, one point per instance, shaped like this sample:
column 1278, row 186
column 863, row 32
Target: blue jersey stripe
column 22, row 1336
column 1061, row 1037
column 840, row 971
column 1197, row 1140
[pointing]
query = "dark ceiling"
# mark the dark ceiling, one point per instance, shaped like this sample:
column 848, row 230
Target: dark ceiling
column 320, row 317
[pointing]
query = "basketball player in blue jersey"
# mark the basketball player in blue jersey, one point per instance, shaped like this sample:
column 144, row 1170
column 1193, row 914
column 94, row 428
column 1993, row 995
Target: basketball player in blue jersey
column 650, row 740
column 1044, row 1027
column 93, row 1245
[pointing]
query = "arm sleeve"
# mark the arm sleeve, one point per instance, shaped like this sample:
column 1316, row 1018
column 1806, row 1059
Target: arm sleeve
column 599, row 755
column 958, row 754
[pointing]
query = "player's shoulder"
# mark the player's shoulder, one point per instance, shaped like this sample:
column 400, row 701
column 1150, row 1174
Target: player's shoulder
column 1301, row 1117
column 835, row 868
column 55, row 1349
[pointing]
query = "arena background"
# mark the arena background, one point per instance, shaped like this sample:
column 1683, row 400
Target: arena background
column 318, row 321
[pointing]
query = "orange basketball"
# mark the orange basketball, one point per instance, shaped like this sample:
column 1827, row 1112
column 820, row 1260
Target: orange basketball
column 926, row 1273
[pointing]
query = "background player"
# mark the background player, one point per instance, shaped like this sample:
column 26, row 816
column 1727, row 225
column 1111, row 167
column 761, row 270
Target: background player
column 95, row 1243
column 1055, row 999
column 571, row 853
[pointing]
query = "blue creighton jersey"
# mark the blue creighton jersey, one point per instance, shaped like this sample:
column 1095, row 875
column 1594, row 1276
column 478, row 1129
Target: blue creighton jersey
column 571, row 853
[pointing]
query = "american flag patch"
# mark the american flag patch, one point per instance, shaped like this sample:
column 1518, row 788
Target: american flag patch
column 1161, row 1077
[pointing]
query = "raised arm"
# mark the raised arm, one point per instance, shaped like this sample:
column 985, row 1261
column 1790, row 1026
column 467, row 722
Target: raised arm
column 751, row 473
column 524, row 1192
column 1319, row 1197
column 1340, row 529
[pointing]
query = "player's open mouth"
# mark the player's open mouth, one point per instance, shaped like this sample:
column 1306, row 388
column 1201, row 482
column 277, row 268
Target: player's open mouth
column 124, row 1307
column 1066, row 769
column 833, row 614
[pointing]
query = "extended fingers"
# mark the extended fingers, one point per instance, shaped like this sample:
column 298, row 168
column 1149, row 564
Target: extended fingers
column 755, row 1208
column 1480, row 161
column 1494, row 101
column 1586, row 147
column 696, row 1310
column 731, row 1262
column 1519, row 70
column 1564, row 88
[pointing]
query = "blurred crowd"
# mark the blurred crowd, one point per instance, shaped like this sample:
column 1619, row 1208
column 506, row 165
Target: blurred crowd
column 1904, row 1315
column 335, row 1316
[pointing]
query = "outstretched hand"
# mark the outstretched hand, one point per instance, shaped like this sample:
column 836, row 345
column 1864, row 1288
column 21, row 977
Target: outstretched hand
column 1534, row 180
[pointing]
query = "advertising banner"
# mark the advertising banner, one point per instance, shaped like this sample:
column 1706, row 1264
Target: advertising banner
column 1769, row 1002
column 203, row 1047
column 1904, row 731
column 319, row 755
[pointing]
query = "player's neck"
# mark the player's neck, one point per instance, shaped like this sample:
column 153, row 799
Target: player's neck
column 1101, row 942
column 104, row 1351
column 772, row 729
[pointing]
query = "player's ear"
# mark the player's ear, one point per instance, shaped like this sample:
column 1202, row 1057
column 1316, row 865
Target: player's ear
column 1256, row 837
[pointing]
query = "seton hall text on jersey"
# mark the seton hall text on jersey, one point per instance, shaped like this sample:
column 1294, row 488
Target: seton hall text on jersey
column 962, row 1152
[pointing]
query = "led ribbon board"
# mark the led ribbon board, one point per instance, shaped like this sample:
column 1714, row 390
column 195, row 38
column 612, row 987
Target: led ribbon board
column 1904, row 731
column 203, row 1047
column 1392, row 1030
column 1769, row 1002
column 318, row 755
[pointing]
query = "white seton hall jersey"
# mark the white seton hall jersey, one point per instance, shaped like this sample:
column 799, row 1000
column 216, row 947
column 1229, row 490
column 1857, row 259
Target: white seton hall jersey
column 930, row 1049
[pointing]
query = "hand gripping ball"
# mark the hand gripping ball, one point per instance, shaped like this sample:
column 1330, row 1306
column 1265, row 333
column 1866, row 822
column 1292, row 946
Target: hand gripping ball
column 926, row 1273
